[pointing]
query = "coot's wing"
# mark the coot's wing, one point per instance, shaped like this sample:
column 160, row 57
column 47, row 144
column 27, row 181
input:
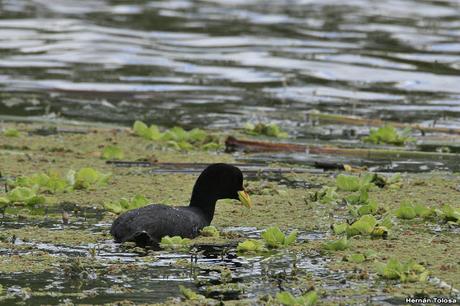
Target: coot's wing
column 147, row 225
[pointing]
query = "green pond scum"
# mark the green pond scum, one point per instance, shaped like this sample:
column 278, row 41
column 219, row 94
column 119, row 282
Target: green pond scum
column 382, row 236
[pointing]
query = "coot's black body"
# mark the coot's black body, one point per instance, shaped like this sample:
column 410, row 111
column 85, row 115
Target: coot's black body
column 147, row 225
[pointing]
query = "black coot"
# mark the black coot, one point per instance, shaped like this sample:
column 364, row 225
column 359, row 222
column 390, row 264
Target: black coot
column 147, row 225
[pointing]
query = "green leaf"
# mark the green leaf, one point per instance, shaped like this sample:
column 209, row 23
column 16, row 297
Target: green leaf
column 363, row 226
column 309, row 299
column 11, row 132
column 405, row 272
column 286, row 298
column 250, row 246
column 21, row 194
column 271, row 130
column 114, row 207
column 450, row 214
column 275, row 238
column 86, row 178
column 423, row 211
column 348, row 182
column 291, row 238
column 124, row 204
column 189, row 294
column 112, row 152
column 368, row 209
column 175, row 243
column 388, row 135
column 337, row 245
column 340, row 228
column 210, row 231
column 150, row 133
column 406, row 211
column 356, row 258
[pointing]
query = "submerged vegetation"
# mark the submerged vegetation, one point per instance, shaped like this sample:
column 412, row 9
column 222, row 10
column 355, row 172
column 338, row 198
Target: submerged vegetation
column 349, row 227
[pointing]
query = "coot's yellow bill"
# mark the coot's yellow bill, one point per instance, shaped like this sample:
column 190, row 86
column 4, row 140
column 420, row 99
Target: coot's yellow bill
column 244, row 198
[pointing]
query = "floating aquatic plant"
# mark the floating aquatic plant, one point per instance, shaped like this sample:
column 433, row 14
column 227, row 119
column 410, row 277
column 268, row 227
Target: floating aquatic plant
column 178, row 138
column 275, row 238
column 251, row 246
column 271, row 130
column 51, row 182
column 449, row 213
column 409, row 211
column 11, row 132
column 25, row 195
column 175, row 243
column 405, row 272
column 189, row 294
column 113, row 153
column 126, row 204
column 362, row 226
column 87, row 178
column 210, row 231
column 388, row 135
column 325, row 195
column 355, row 183
column 151, row 133
column 361, row 197
column 307, row 299
column 337, row 245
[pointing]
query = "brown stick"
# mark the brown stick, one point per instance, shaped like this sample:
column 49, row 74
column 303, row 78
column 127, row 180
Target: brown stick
column 232, row 144
column 352, row 120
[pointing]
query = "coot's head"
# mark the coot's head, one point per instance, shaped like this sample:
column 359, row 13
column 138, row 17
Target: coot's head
column 219, row 181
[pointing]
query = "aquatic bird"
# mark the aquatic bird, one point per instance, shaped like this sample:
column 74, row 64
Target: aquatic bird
column 148, row 224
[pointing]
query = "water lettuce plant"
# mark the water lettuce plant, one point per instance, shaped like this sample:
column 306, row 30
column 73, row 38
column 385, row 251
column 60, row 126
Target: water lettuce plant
column 274, row 238
column 87, row 178
column 368, row 225
column 449, row 214
column 337, row 245
column 363, row 226
column 189, row 294
column 370, row 208
column 11, row 132
column 404, row 272
column 112, row 153
column 210, row 231
column 409, row 211
column 24, row 195
column 175, row 243
column 307, row 299
column 126, row 204
column 355, row 183
column 250, row 246
column 271, row 130
column 51, row 182
column 361, row 257
column 142, row 130
column 388, row 135
column 177, row 137
column 325, row 195
column 361, row 197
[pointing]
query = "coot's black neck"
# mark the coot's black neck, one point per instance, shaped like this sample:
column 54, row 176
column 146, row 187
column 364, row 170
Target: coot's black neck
column 205, row 203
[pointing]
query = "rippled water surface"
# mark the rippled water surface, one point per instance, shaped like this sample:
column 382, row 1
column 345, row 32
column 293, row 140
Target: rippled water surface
column 221, row 63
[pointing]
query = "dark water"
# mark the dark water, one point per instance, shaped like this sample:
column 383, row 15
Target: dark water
column 222, row 63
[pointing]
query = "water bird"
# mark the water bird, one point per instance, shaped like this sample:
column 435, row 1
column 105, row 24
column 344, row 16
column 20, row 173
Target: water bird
column 147, row 225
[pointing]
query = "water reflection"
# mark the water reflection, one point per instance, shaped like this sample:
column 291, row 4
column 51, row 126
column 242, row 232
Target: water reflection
column 218, row 63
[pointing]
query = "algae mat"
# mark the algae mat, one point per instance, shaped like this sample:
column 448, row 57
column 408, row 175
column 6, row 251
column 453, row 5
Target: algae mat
column 58, row 250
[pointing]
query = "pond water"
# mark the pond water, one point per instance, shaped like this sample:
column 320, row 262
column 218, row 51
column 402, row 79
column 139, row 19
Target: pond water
column 222, row 63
